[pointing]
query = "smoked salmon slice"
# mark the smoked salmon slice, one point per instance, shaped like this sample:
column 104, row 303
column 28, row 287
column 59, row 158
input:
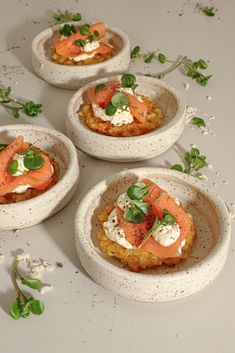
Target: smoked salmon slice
column 67, row 47
column 38, row 179
column 138, row 109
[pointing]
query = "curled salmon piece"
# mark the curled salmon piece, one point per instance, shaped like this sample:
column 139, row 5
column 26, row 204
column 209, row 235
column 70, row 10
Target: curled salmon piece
column 161, row 200
column 67, row 47
column 135, row 233
column 138, row 109
column 38, row 179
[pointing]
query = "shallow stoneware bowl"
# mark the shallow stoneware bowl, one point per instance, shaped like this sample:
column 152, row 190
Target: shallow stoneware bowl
column 162, row 283
column 136, row 148
column 73, row 77
column 27, row 213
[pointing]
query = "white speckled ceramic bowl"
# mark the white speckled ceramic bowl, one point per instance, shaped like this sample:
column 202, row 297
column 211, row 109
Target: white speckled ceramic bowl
column 162, row 283
column 73, row 77
column 136, row 148
column 27, row 213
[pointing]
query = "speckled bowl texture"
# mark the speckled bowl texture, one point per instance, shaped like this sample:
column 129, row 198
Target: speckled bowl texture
column 27, row 213
column 74, row 77
column 162, row 283
column 136, row 148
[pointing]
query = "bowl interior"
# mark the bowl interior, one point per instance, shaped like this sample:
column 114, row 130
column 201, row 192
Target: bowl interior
column 42, row 139
column 164, row 97
column 47, row 41
column 194, row 201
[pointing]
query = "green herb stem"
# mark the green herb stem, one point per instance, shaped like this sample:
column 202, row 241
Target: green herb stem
column 172, row 68
column 15, row 275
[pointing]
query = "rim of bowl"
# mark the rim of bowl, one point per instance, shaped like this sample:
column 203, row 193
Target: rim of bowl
column 180, row 113
column 60, row 136
column 49, row 32
column 188, row 179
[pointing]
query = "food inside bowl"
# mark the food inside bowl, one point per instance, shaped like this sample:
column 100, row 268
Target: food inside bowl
column 85, row 45
column 146, row 227
column 25, row 171
column 116, row 109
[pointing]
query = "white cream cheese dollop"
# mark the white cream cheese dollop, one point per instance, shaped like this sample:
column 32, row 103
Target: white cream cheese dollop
column 123, row 201
column 121, row 117
column 89, row 47
column 21, row 169
column 166, row 235
column 114, row 232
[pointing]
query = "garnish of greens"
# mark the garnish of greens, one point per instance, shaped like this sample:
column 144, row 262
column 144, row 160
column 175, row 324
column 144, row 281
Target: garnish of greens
column 209, row 11
column 199, row 122
column 138, row 209
column 25, row 305
column 167, row 220
column 16, row 106
column 85, row 31
column 191, row 68
column 120, row 100
column 67, row 30
column 193, row 161
column 32, row 161
column 66, row 16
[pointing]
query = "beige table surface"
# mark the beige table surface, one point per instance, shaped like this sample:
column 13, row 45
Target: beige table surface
column 80, row 316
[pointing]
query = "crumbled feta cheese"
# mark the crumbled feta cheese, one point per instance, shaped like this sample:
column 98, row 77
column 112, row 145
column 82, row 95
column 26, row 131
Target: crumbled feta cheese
column 190, row 113
column 209, row 98
column 2, row 257
column 24, row 256
column 186, row 85
column 37, row 267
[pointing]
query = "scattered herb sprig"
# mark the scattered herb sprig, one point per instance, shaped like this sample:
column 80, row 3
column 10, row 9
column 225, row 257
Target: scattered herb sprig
column 60, row 16
column 24, row 305
column 199, row 122
column 209, row 11
column 191, row 68
column 193, row 161
column 16, row 106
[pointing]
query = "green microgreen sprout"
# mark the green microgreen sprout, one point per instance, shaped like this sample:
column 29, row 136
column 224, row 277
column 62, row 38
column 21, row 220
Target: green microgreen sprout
column 128, row 80
column 110, row 110
column 193, row 161
column 135, row 53
column 149, row 58
column 199, row 122
column 85, row 29
column 24, row 305
column 80, row 42
column 161, row 58
column 67, row 30
column 29, row 108
column 119, row 100
column 99, row 87
column 60, row 16
column 209, row 11
column 138, row 209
